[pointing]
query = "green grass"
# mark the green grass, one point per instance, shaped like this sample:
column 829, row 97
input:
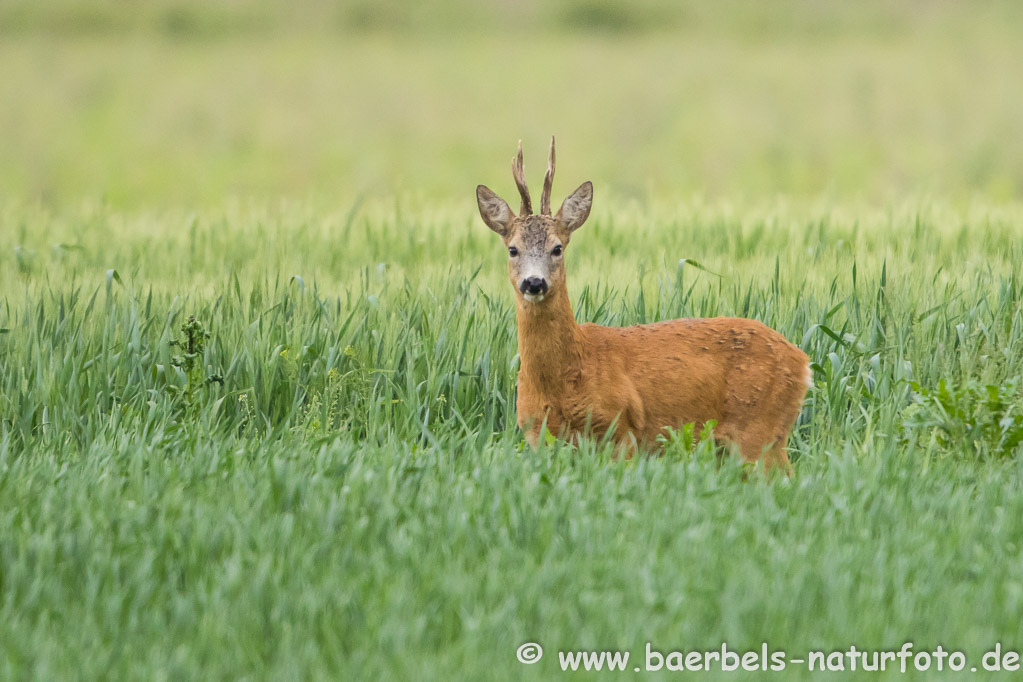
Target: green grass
column 811, row 103
column 354, row 501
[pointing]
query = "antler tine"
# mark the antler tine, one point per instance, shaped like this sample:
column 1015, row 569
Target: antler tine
column 548, row 182
column 518, row 172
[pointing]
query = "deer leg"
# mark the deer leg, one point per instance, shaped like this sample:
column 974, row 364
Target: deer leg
column 533, row 438
column 627, row 446
column 728, row 441
column 754, row 445
column 776, row 456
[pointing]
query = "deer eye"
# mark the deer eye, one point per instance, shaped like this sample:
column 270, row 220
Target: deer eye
column 512, row 251
column 557, row 250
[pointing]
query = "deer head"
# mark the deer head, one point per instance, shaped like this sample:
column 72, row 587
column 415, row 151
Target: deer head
column 536, row 243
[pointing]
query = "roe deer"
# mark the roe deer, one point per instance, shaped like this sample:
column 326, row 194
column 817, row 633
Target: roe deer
column 739, row 372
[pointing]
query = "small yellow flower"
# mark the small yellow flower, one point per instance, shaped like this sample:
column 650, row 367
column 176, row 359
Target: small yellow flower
column 284, row 353
column 350, row 351
column 333, row 376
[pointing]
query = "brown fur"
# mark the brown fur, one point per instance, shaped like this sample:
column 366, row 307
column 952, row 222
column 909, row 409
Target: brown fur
column 738, row 372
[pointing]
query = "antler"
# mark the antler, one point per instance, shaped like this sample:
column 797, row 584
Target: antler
column 548, row 182
column 520, row 181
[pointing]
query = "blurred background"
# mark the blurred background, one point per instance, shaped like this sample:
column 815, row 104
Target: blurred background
column 189, row 102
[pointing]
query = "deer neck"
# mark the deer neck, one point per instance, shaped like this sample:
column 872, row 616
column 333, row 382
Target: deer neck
column 550, row 344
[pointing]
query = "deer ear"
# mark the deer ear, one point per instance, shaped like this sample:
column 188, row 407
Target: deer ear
column 576, row 208
column 494, row 210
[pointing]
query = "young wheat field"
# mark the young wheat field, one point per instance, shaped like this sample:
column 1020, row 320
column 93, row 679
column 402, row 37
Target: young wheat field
column 258, row 350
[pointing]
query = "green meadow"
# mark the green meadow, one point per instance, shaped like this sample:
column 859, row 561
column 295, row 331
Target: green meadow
column 323, row 479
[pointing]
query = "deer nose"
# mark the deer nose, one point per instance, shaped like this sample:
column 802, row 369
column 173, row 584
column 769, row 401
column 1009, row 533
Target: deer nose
column 534, row 286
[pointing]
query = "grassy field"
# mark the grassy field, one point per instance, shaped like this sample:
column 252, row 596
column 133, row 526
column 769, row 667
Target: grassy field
column 334, row 488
